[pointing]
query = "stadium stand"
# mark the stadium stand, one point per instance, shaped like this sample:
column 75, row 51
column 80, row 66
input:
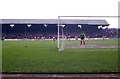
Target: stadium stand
column 39, row 31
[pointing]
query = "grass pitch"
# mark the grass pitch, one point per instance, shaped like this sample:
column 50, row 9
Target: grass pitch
column 43, row 56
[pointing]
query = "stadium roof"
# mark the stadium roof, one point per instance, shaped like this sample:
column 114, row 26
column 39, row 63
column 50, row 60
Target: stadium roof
column 55, row 21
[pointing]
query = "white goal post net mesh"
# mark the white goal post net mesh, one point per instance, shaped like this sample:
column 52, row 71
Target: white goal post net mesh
column 98, row 31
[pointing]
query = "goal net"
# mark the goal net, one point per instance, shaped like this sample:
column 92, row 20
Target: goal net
column 87, row 32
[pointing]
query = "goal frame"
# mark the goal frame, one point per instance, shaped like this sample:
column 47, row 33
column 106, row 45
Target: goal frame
column 58, row 24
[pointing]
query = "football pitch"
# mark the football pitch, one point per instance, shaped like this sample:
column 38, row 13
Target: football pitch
column 42, row 56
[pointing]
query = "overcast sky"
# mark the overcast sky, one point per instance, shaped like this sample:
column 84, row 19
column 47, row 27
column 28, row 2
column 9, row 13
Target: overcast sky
column 48, row 9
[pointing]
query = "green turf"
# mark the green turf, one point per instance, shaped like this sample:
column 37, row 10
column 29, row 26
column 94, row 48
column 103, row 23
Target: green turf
column 110, row 42
column 43, row 56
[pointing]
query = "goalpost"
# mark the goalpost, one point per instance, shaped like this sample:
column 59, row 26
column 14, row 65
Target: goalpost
column 60, row 43
column 70, row 28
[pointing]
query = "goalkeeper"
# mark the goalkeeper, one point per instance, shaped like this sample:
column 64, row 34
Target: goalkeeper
column 82, row 37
